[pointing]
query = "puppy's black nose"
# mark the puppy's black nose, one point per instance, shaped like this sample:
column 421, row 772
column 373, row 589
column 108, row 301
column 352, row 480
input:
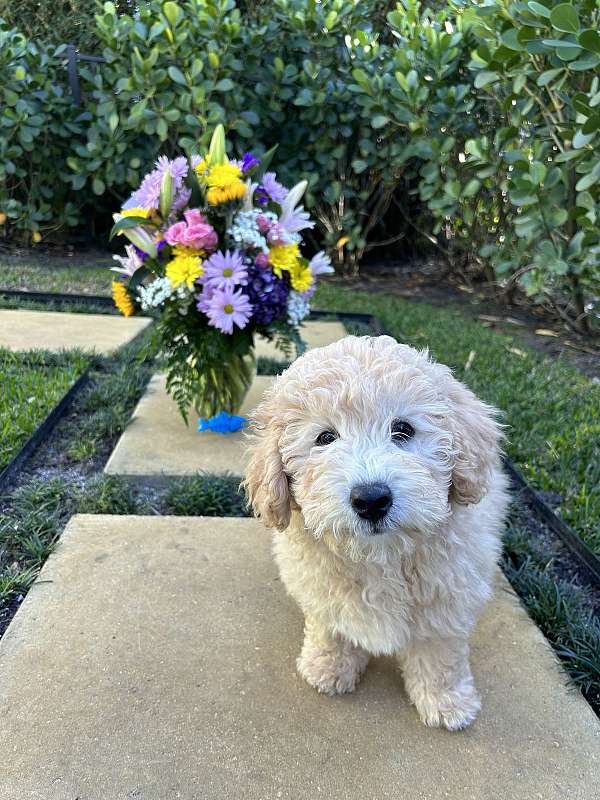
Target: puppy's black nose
column 371, row 501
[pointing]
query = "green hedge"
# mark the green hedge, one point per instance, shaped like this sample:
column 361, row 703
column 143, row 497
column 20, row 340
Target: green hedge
column 483, row 117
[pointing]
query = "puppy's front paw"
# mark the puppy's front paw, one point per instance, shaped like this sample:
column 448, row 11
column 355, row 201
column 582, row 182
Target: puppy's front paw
column 451, row 709
column 330, row 671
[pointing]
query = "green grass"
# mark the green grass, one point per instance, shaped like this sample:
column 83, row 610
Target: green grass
column 105, row 407
column 56, row 305
column 553, row 412
column 30, row 390
column 270, row 366
column 207, row 496
column 68, row 280
column 36, row 513
column 561, row 609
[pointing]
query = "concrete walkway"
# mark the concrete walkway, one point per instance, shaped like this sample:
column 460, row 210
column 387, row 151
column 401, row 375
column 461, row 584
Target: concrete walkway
column 22, row 330
column 153, row 659
column 317, row 333
column 158, row 446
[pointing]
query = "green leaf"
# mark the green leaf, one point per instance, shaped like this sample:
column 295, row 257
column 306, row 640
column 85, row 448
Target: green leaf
column 510, row 40
column 581, row 139
column 546, row 77
column 11, row 98
column 305, row 98
column 587, row 61
column 558, row 266
column 358, row 165
column 590, row 39
column 379, row 121
column 225, row 85
column 330, row 20
column 574, row 247
column 485, row 77
column 98, row 186
column 514, row 156
column 580, row 103
column 265, row 162
column 522, row 199
column 162, row 129
column 125, row 223
column 588, row 180
column 361, row 77
column 177, row 75
column 471, row 188
column 568, row 53
column 539, row 10
column 137, row 277
column 562, row 44
column 592, row 125
column 564, row 18
column 518, row 83
column 567, row 155
column 537, row 171
column 396, row 19
column 173, row 13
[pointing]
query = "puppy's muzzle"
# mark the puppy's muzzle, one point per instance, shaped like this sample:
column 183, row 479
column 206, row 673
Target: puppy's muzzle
column 371, row 501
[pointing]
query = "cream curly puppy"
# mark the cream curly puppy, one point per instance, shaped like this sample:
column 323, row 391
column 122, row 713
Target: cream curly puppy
column 381, row 474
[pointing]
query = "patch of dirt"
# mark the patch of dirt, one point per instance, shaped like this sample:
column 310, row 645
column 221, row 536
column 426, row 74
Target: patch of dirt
column 8, row 612
column 54, row 256
column 564, row 564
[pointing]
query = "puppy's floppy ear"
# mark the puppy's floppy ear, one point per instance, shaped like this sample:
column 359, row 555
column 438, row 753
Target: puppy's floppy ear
column 476, row 435
column 266, row 483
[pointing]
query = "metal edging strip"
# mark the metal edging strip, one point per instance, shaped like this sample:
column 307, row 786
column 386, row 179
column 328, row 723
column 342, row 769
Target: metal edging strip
column 42, row 432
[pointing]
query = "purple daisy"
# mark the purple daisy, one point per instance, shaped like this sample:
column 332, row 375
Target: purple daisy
column 271, row 186
column 203, row 300
column 147, row 196
column 224, row 270
column 227, row 308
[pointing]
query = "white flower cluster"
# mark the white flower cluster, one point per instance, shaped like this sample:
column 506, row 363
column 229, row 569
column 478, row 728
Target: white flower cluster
column 298, row 308
column 155, row 294
column 245, row 232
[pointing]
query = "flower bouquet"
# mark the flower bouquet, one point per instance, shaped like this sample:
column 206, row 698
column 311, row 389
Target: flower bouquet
column 215, row 252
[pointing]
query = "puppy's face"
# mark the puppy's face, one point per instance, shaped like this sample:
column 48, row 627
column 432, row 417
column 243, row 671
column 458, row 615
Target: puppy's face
column 367, row 437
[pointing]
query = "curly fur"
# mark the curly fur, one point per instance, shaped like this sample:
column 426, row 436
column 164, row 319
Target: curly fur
column 415, row 585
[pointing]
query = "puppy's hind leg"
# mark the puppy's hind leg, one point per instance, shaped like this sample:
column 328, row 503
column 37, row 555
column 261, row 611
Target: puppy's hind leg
column 439, row 682
column 328, row 662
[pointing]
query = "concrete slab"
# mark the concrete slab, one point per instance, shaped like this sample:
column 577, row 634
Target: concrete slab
column 54, row 330
column 315, row 334
column 154, row 659
column 157, row 445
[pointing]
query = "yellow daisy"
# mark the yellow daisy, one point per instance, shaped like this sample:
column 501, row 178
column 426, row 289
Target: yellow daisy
column 186, row 267
column 301, row 277
column 122, row 299
column 284, row 257
column 224, row 182
column 224, row 194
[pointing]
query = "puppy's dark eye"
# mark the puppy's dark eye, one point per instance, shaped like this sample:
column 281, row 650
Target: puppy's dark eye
column 401, row 431
column 327, row 437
